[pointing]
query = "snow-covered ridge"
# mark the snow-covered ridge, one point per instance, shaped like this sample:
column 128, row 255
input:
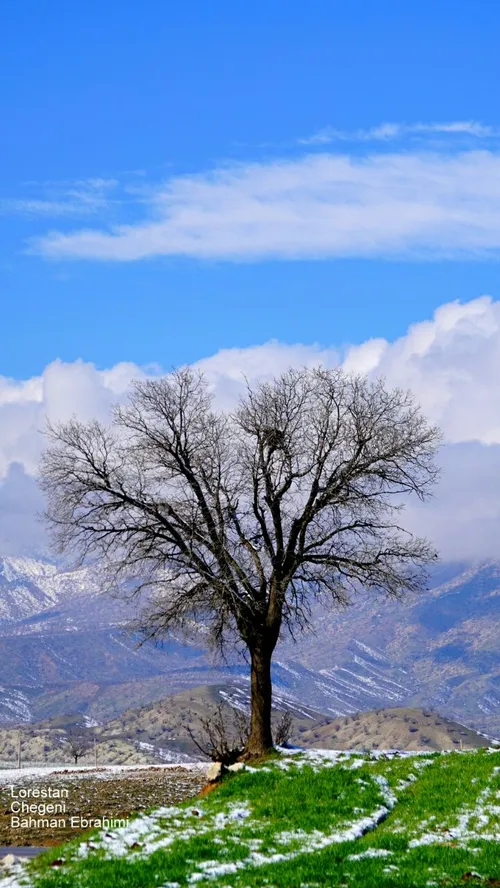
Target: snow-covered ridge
column 29, row 587
column 25, row 568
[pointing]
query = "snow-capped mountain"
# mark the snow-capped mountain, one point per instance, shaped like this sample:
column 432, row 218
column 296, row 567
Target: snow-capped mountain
column 31, row 588
column 27, row 587
column 64, row 648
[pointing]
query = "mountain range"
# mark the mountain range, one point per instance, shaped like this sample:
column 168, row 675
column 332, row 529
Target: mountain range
column 65, row 648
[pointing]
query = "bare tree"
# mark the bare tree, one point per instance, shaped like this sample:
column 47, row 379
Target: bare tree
column 242, row 519
column 78, row 741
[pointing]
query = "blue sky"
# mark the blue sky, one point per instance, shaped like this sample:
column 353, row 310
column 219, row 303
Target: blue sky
column 249, row 186
column 108, row 107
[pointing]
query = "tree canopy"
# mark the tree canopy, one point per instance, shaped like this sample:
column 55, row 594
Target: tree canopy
column 243, row 518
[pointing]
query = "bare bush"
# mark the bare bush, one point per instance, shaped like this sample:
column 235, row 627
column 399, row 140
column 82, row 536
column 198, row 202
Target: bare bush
column 221, row 736
column 284, row 729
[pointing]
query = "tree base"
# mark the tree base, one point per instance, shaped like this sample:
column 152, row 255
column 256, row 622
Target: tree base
column 255, row 752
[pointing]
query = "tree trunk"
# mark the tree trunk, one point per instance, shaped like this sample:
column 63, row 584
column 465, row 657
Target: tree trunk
column 260, row 739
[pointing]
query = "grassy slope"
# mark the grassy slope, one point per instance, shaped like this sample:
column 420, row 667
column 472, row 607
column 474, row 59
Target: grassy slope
column 306, row 820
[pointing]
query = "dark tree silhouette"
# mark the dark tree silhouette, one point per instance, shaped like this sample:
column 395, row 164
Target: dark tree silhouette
column 242, row 519
column 78, row 740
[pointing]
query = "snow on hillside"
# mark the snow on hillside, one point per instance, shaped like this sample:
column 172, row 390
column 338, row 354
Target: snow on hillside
column 441, row 649
column 29, row 587
column 14, row 706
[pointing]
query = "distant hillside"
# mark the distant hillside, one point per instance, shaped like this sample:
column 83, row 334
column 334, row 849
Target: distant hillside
column 48, row 745
column 438, row 649
column 158, row 731
column 64, row 648
column 403, row 729
column 152, row 733
column 163, row 724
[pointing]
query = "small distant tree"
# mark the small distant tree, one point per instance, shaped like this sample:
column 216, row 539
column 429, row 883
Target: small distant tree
column 78, row 741
column 242, row 519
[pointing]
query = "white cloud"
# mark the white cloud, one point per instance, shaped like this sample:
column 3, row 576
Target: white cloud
column 387, row 132
column 63, row 390
column 227, row 370
column 80, row 198
column 451, row 362
column 321, row 205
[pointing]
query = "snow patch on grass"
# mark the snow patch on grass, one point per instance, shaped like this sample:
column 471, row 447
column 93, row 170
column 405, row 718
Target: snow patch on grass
column 479, row 822
column 370, row 852
column 15, row 876
column 160, row 829
column 305, row 842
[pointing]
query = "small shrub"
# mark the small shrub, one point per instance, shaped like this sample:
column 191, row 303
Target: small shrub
column 222, row 736
column 284, row 729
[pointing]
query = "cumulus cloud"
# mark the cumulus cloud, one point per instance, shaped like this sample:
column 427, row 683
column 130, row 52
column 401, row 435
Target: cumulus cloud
column 227, row 371
column 451, row 363
column 323, row 205
column 62, row 391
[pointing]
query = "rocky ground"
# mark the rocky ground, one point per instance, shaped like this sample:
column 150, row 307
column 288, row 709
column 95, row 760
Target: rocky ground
column 105, row 793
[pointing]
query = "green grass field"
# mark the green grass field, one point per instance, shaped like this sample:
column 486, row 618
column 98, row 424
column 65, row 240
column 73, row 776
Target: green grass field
column 306, row 819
